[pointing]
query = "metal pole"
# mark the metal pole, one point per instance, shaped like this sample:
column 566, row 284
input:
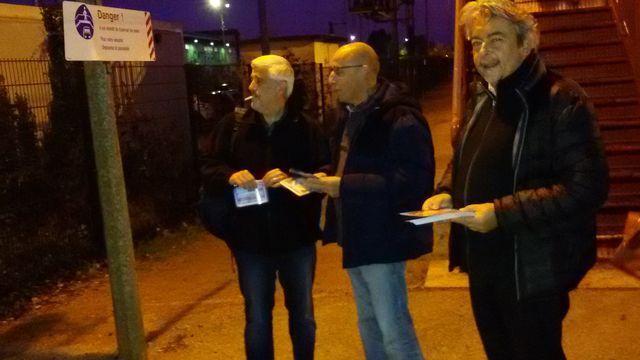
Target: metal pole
column 115, row 214
column 459, row 70
column 262, row 17
column 395, row 53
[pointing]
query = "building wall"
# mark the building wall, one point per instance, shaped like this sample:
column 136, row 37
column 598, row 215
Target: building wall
column 324, row 52
column 22, row 34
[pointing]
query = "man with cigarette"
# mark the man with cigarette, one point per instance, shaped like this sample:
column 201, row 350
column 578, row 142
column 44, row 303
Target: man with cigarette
column 275, row 239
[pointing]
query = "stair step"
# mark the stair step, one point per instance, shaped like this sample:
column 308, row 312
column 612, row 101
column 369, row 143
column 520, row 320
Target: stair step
column 623, row 161
column 614, row 101
column 615, row 125
column 607, row 81
column 564, row 25
column 621, row 118
column 620, row 90
column 610, row 225
column 616, row 135
column 557, row 55
column 628, row 175
column 623, row 148
column 619, row 201
column 614, row 110
column 583, row 14
column 596, row 71
column 585, row 36
column 558, row 64
column 579, row 44
column 618, row 188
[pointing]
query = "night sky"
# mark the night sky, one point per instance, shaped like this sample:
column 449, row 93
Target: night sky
column 289, row 17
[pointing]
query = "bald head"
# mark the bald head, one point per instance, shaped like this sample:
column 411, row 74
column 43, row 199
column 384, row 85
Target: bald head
column 360, row 53
column 354, row 74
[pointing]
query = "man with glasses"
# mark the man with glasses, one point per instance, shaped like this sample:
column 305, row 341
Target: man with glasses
column 530, row 164
column 382, row 164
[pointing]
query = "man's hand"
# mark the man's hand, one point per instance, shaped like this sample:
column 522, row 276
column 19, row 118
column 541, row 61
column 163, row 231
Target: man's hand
column 273, row 178
column 484, row 221
column 437, row 202
column 243, row 179
column 329, row 185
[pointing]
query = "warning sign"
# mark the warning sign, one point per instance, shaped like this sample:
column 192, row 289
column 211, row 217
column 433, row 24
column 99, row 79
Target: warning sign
column 104, row 33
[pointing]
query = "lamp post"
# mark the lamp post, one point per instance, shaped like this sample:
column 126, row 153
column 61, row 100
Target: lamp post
column 217, row 6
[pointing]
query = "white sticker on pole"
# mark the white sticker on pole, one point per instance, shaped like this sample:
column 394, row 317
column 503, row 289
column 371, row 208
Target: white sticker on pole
column 104, row 33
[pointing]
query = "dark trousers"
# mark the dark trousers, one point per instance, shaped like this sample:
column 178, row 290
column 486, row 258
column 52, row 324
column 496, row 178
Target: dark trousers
column 517, row 330
column 257, row 274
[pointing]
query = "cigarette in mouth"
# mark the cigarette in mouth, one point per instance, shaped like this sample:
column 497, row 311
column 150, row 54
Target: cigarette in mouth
column 248, row 98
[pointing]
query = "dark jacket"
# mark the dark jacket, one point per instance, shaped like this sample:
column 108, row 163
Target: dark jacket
column 560, row 179
column 389, row 169
column 287, row 221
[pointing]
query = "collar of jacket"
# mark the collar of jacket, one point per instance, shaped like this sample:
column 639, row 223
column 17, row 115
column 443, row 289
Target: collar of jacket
column 373, row 101
column 254, row 117
column 524, row 78
column 387, row 96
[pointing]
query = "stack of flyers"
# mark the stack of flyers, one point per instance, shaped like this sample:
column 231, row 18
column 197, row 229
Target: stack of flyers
column 294, row 186
column 258, row 196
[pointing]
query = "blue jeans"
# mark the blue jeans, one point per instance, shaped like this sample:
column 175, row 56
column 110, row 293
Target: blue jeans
column 257, row 274
column 384, row 321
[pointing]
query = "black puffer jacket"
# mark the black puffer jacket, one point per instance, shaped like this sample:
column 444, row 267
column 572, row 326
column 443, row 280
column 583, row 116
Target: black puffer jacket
column 286, row 221
column 560, row 176
column 389, row 169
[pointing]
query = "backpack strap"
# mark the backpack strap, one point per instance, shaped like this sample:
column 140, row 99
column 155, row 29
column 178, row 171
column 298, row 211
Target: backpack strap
column 238, row 113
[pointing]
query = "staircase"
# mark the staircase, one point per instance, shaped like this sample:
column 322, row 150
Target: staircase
column 584, row 44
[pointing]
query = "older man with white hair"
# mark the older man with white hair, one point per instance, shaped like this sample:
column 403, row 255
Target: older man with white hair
column 529, row 163
column 275, row 239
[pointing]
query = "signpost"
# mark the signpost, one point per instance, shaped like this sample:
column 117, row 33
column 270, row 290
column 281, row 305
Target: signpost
column 95, row 34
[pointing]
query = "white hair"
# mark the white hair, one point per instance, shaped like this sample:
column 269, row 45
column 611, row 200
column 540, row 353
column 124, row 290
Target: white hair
column 525, row 24
column 277, row 67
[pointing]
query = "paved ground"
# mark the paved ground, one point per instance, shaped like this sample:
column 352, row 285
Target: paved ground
column 193, row 309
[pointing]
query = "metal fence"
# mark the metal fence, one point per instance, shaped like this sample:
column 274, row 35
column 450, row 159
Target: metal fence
column 49, row 210
column 29, row 78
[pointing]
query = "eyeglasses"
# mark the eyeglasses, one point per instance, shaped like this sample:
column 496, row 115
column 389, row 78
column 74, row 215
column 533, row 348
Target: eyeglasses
column 339, row 70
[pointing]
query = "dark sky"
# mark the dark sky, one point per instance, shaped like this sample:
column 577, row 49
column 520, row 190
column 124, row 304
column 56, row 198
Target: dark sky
column 289, row 17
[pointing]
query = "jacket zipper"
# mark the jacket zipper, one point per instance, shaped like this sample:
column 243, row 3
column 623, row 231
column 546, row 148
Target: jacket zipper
column 269, row 164
column 518, row 146
column 471, row 163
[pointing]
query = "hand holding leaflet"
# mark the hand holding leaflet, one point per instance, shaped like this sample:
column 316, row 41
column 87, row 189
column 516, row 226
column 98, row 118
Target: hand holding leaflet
column 431, row 216
column 293, row 185
column 257, row 196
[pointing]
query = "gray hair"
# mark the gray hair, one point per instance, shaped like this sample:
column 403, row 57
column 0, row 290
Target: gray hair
column 524, row 23
column 277, row 67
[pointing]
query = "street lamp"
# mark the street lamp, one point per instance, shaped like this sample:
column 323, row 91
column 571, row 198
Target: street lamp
column 217, row 6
